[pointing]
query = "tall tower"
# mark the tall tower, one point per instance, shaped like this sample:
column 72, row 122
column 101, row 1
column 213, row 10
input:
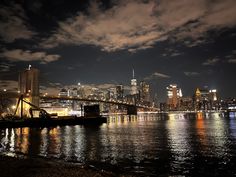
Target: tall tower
column 29, row 84
column 134, row 89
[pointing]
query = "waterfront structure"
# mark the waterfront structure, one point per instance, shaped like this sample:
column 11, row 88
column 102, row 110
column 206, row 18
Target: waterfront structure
column 174, row 94
column 29, row 84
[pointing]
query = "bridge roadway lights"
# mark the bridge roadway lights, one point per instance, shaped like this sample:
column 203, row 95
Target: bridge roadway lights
column 131, row 110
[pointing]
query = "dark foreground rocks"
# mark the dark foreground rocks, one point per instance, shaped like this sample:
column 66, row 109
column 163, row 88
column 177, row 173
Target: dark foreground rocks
column 37, row 167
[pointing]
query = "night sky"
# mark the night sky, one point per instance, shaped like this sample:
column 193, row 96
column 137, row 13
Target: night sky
column 187, row 42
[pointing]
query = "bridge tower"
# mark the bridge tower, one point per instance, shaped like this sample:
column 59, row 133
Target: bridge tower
column 29, row 84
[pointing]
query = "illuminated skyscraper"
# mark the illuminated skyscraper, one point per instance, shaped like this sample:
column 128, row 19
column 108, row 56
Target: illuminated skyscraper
column 213, row 95
column 134, row 89
column 120, row 92
column 174, row 94
column 81, row 91
column 144, row 92
column 29, row 84
column 206, row 99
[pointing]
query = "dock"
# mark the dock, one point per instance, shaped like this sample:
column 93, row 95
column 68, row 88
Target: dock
column 60, row 121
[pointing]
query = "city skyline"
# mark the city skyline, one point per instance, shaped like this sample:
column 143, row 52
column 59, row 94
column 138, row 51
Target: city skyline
column 100, row 42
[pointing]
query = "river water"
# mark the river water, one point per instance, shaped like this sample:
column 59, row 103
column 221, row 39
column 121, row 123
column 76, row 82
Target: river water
column 144, row 145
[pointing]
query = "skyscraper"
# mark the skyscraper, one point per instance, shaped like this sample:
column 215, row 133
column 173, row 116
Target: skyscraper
column 144, row 92
column 134, row 89
column 29, row 84
column 120, row 92
column 206, row 99
column 174, row 94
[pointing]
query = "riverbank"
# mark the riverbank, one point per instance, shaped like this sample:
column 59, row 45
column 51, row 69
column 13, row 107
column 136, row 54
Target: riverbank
column 37, row 167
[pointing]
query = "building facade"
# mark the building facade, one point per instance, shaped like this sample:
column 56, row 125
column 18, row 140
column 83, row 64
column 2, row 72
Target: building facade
column 174, row 94
column 144, row 92
column 205, row 99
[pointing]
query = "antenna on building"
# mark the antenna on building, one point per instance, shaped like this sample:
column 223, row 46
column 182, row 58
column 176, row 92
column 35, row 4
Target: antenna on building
column 133, row 73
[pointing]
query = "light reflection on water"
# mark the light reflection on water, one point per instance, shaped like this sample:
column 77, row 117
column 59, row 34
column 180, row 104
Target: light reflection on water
column 174, row 144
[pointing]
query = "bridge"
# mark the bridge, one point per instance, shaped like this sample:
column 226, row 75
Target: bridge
column 29, row 91
column 116, row 102
column 130, row 106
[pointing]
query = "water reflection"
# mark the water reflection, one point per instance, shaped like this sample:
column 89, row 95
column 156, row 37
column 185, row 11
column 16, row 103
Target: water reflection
column 201, row 131
column 171, row 144
column 177, row 128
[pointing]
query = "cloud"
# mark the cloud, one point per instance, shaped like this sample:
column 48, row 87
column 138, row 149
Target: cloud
column 5, row 67
column 189, row 74
column 211, row 62
column 126, row 25
column 9, row 85
column 232, row 61
column 21, row 55
column 13, row 24
column 211, row 15
column 170, row 52
column 137, row 25
column 156, row 75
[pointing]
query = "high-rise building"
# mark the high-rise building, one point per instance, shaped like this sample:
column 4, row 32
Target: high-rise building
column 73, row 92
column 112, row 93
column 144, row 90
column 63, row 92
column 120, row 92
column 206, row 99
column 134, row 89
column 29, row 84
column 213, row 95
column 81, row 91
column 174, row 94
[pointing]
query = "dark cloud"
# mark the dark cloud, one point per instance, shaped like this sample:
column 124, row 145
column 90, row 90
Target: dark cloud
column 192, row 73
column 14, row 23
column 210, row 62
column 21, row 55
column 5, row 67
column 9, row 85
column 232, row 60
column 135, row 25
column 157, row 75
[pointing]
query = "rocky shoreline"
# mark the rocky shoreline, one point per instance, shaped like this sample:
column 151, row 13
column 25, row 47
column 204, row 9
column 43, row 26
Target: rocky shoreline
column 40, row 167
